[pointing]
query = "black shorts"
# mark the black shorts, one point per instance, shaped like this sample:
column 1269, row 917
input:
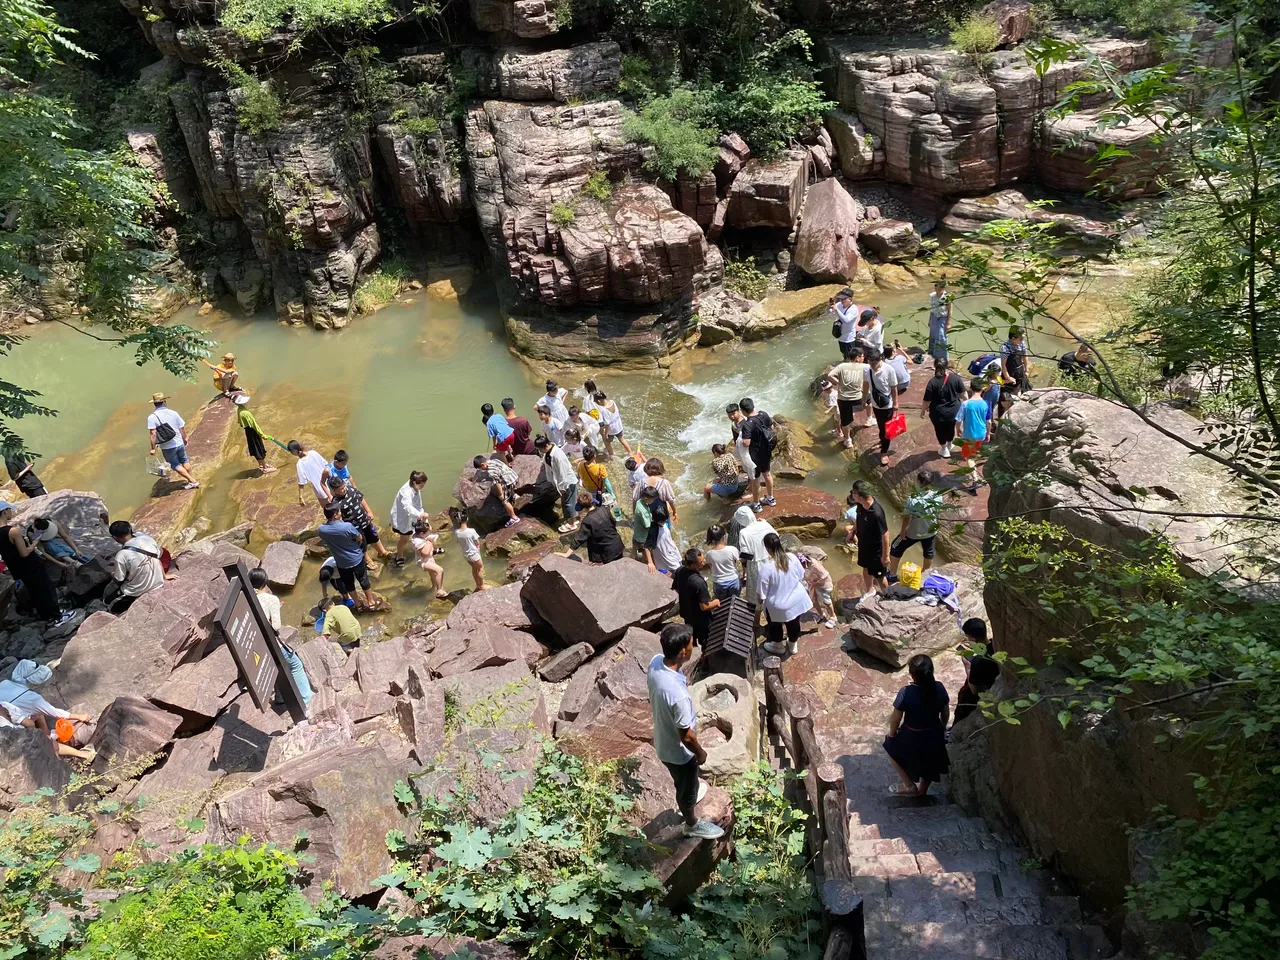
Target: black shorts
column 901, row 545
column 348, row 577
column 370, row 534
column 847, row 409
column 685, row 776
column 762, row 463
column 872, row 564
column 402, row 533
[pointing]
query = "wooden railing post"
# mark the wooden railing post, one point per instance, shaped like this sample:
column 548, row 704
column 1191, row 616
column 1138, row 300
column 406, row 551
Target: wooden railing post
column 772, row 668
column 842, row 917
column 799, row 716
column 834, row 810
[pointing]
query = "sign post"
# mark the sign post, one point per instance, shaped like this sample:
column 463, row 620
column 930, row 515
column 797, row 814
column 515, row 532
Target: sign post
column 255, row 646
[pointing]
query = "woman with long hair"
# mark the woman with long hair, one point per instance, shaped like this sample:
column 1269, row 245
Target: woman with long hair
column 783, row 593
column 917, row 743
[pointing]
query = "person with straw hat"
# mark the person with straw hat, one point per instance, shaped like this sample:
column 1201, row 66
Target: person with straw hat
column 169, row 432
column 225, row 375
column 253, row 433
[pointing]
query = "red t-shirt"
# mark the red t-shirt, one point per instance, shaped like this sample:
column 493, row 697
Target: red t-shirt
column 523, row 439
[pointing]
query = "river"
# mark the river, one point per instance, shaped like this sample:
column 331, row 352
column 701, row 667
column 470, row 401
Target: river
column 401, row 390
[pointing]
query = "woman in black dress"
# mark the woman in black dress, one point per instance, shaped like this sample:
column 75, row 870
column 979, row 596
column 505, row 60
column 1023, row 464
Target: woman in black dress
column 18, row 554
column 917, row 730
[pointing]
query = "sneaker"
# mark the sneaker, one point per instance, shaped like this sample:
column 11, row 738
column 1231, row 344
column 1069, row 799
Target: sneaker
column 944, row 452
column 757, row 507
column 829, row 623
column 769, row 501
column 702, row 789
column 847, row 444
column 67, row 615
column 399, row 561
column 795, row 648
column 511, row 522
column 191, row 486
column 774, row 649
column 703, row 830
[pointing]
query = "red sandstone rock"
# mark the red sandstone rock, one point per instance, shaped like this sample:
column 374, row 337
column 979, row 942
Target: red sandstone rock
column 596, row 603
column 502, row 606
column 198, row 692
column 769, row 193
column 129, row 729
column 518, row 538
column 827, row 243
column 282, row 560
column 808, row 513
column 27, row 763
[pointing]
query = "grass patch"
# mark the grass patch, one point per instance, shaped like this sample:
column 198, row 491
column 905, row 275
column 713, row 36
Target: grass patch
column 378, row 288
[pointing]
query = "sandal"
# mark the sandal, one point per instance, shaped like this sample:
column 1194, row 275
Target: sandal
column 884, row 461
column 442, row 595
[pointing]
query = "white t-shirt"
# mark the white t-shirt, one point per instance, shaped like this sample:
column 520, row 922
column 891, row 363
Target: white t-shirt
column 554, row 429
column 588, row 426
column 310, row 469
column 270, row 604
column 555, row 405
column 165, row 415
column 899, row 364
column 406, row 509
column 783, row 593
column 421, row 543
column 848, row 320
column 873, row 333
column 666, row 553
column 560, row 472
column 468, row 542
column 137, row 567
column 724, row 564
column 883, row 380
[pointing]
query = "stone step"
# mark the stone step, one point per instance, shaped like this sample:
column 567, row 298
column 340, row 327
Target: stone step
column 945, row 845
column 994, row 910
column 864, row 829
column 892, row 940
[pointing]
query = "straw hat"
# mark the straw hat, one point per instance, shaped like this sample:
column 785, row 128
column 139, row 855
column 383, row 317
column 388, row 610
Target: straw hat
column 158, row 398
column 229, row 356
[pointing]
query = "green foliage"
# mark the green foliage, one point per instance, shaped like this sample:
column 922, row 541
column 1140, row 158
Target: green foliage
column 562, row 214
column 258, row 107
column 745, row 279
column 82, row 213
column 1139, row 632
column 258, row 19
column 976, row 34
column 1138, row 16
column 370, row 80
column 598, row 186
column 768, row 109
column 672, row 125
column 379, row 287
column 420, row 126
column 564, row 14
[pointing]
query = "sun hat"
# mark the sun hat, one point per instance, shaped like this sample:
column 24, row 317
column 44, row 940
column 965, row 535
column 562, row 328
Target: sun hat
column 5, row 505
column 30, row 674
column 158, row 398
column 228, row 356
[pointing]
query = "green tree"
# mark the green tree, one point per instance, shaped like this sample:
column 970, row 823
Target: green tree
column 85, row 209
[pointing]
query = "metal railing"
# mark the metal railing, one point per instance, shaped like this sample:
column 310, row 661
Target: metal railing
column 824, row 800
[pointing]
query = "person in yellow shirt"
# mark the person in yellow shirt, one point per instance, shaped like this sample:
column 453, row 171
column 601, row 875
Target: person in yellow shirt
column 225, row 375
column 340, row 624
column 253, row 433
column 594, row 476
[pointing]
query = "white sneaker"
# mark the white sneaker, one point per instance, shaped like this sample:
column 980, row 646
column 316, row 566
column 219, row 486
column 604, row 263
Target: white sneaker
column 702, row 789
column 795, row 648
column 944, row 452
column 776, row 649
column 703, row 830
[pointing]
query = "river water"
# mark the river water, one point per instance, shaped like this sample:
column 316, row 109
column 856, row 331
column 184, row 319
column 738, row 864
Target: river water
column 401, row 390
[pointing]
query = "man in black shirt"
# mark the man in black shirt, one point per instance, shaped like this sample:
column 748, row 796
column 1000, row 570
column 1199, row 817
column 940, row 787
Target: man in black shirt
column 942, row 398
column 870, row 531
column 755, row 430
column 597, row 531
column 695, row 599
column 22, row 472
column 355, row 510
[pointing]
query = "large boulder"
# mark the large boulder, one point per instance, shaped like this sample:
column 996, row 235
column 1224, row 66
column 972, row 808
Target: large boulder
column 1067, row 158
column 518, row 538
column 861, row 152
column 890, row 240
column 485, row 511
column 461, row 651
column 282, row 560
column 1013, row 18
column 894, row 631
column 28, row 763
column 578, row 72
column 971, row 214
column 130, row 730
column 133, row 654
column 498, row 606
column 423, row 170
column 827, row 244
column 342, row 798
column 83, row 514
column 526, row 19
column 597, row 603
column 198, row 692
column 728, row 724
column 563, row 664
column 769, row 193
column 808, row 513
column 506, row 696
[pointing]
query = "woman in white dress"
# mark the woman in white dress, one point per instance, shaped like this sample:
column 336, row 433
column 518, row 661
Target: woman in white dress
column 784, row 595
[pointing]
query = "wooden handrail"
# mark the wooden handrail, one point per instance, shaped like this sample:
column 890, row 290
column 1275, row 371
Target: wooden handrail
column 826, row 801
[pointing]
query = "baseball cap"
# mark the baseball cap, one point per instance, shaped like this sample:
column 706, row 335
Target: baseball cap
column 241, row 399
column 5, row 505
column 846, row 292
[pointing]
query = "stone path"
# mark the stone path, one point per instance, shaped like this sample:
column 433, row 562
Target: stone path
column 937, row 884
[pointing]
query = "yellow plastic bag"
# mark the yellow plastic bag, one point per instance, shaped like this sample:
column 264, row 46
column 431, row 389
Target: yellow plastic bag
column 910, row 575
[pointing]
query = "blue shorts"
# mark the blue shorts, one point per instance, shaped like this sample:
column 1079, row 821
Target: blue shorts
column 726, row 490
column 177, row 457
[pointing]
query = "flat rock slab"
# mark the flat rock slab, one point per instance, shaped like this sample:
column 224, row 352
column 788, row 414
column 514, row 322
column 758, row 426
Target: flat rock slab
column 507, row 696
column 461, row 651
column 808, row 513
column 563, row 664
column 523, row 535
column 894, row 631
column 27, row 763
column 769, row 193
column 198, row 692
column 503, row 606
column 274, row 517
column 595, row 604
column 282, row 560
column 521, row 565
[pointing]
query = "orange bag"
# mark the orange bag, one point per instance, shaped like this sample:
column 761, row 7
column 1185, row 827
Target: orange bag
column 65, row 729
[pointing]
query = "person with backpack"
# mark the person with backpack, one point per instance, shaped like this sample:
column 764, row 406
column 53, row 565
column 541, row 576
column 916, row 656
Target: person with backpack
column 168, row 432
column 943, row 395
column 756, row 431
column 919, row 523
column 916, row 744
column 137, row 568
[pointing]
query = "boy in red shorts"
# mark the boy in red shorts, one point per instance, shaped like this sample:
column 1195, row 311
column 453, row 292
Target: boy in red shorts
column 972, row 420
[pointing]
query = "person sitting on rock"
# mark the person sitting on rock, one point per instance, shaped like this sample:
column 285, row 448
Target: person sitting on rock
column 54, row 543
column 675, row 727
column 270, row 604
column 225, row 375
column 340, row 624
column 27, row 708
column 728, row 482
column 138, row 569
column 916, row 743
column 504, row 480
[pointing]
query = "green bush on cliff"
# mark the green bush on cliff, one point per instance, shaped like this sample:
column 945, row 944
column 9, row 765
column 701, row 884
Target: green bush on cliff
column 258, row 19
column 673, row 126
column 976, row 34
column 1139, row 16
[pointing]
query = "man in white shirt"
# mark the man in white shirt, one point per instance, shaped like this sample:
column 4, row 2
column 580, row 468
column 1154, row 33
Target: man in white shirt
column 311, row 468
column 406, row 510
column 168, row 432
column 551, row 426
column 846, row 312
column 562, row 476
column 138, row 570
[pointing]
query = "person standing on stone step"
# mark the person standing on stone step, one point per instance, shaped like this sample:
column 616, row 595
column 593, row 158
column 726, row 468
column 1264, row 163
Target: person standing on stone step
column 19, row 555
column 312, row 467
column 522, row 444
column 355, row 510
column 972, row 422
column 943, row 395
column 168, row 431
column 919, row 523
column 846, row 312
column 696, row 602
column 675, row 728
column 916, row 743
column 870, row 531
column 347, row 547
column 561, row 475
column 597, row 531
column 270, row 604
column 22, row 473
column 884, row 399
column 469, row 543
column 406, row 511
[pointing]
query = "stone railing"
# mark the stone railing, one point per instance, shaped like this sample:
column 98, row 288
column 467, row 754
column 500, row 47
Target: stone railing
column 823, row 799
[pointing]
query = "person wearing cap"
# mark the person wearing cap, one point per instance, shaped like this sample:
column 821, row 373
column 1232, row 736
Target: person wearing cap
column 169, row 432
column 253, row 433
column 846, row 312
column 27, row 708
column 225, row 375
column 18, row 551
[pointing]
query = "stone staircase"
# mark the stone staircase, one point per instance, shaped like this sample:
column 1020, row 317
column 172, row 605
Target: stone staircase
column 938, row 885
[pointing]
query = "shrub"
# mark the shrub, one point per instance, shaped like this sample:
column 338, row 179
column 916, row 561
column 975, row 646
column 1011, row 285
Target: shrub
column 598, row 186
column 380, row 287
column 260, row 109
column 745, row 279
column 768, row 110
column 1138, row 16
column 257, row 19
column 673, row 126
column 976, row 34
column 420, row 126
column 562, row 214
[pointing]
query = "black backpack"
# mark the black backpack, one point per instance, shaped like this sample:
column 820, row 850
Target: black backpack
column 768, row 434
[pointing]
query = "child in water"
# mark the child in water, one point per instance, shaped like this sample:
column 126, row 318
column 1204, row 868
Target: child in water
column 469, row 544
